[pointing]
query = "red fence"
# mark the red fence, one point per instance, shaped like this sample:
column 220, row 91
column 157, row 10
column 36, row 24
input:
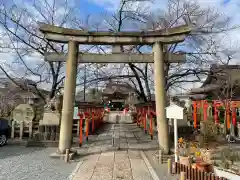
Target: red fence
column 193, row 173
column 146, row 123
column 90, row 119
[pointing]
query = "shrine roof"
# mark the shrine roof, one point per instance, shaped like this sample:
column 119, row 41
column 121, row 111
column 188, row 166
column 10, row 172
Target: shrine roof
column 89, row 98
column 112, row 88
column 24, row 92
column 217, row 77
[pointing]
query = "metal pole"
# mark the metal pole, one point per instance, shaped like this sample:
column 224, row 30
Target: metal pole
column 176, row 139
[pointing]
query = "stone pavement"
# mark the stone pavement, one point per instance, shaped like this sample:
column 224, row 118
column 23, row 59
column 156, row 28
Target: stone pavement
column 116, row 153
column 118, row 165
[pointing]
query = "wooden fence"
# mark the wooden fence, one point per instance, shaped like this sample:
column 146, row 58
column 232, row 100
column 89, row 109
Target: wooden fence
column 193, row 173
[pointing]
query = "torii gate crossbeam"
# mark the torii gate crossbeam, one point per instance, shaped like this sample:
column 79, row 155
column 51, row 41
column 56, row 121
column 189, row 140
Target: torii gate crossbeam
column 115, row 58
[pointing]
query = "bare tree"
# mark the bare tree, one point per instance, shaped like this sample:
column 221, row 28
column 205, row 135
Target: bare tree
column 228, row 90
column 21, row 38
column 8, row 101
column 202, row 46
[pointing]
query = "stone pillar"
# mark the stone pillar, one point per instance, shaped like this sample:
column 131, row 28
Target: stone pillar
column 65, row 138
column 160, row 95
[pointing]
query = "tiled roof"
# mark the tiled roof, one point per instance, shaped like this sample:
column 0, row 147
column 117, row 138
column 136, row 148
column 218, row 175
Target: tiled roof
column 218, row 76
column 121, row 88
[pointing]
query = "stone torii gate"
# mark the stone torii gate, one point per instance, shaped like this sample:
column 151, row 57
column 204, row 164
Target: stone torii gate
column 75, row 37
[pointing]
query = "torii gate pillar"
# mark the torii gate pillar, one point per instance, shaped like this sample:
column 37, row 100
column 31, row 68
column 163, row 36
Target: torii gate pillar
column 159, row 81
column 65, row 138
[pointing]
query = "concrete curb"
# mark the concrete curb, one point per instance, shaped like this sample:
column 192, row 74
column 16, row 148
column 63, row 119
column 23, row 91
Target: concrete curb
column 71, row 176
column 149, row 166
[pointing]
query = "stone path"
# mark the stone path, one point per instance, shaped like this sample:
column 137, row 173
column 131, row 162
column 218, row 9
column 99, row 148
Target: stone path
column 116, row 154
column 119, row 165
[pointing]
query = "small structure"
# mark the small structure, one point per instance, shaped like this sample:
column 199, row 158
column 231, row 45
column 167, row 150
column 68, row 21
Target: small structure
column 52, row 112
column 21, row 91
column 23, row 116
column 23, row 113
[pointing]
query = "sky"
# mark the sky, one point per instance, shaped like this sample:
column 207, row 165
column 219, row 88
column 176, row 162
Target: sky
column 227, row 7
column 97, row 7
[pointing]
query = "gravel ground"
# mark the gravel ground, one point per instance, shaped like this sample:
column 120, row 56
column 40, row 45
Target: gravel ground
column 25, row 163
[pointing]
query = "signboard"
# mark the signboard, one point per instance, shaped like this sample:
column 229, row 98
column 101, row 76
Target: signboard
column 50, row 118
column 174, row 112
column 75, row 113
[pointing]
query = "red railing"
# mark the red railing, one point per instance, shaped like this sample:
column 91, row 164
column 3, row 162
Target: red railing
column 143, row 122
column 93, row 117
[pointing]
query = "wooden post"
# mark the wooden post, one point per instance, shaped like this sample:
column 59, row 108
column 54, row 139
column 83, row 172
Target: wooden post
column 195, row 114
column 80, row 131
column 48, row 132
column 78, row 128
column 93, row 123
column 234, row 116
column 21, row 130
column 145, row 122
column 52, row 133
column 205, row 107
column 30, row 129
column 228, row 114
column 87, row 127
column 13, row 129
column 151, row 126
column 215, row 112
column 169, row 166
column 182, row 175
column 142, row 118
column 45, row 133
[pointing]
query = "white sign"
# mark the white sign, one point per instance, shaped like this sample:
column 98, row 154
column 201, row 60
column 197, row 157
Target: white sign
column 75, row 113
column 174, row 112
